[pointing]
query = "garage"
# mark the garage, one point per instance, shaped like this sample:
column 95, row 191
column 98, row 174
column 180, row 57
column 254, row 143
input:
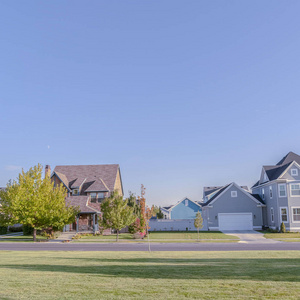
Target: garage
column 235, row 221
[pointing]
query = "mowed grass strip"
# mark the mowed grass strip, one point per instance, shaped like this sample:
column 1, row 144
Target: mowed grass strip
column 169, row 235
column 155, row 275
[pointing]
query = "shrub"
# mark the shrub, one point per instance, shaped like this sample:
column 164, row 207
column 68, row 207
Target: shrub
column 15, row 229
column 138, row 235
column 3, row 230
column 282, row 228
column 27, row 230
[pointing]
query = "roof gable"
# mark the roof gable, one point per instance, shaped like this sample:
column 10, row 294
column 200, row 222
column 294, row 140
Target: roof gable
column 291, row 156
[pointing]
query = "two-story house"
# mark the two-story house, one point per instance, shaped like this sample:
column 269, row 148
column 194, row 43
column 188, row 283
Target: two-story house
column 87, row 186
column 279, row 188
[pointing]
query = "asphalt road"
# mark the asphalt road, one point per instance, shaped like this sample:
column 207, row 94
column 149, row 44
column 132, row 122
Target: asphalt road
column 281, row 246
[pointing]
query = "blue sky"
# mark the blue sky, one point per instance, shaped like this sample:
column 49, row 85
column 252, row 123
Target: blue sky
column 182, row 94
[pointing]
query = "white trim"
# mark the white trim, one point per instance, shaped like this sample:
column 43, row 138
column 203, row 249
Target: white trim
column 296, row 173
column 290, row 185
column 287, row 214
column 292, row 207
column 283, row 184
column 239, row 188
column 183, row 200
column 294, row 162
column 272, row 214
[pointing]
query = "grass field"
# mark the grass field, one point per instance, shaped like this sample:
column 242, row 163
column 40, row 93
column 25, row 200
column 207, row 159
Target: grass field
column 156, row 275
column 22, row 238
column 287, row 235
column 188, row 236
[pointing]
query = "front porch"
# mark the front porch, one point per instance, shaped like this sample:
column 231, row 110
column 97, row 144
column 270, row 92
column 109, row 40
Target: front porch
column 84, row 223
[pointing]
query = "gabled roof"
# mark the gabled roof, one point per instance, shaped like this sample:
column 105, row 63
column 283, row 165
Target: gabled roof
column 84, row 205
column 258, row 198
column 207, row 190
column 274, row 172
column 223, row 189
column 291, row 156
column 167, row 207
column 89, row 176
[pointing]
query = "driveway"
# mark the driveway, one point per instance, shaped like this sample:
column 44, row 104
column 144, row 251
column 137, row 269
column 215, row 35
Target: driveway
column 250, row 236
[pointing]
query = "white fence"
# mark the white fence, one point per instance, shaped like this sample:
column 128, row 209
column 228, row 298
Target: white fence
column 174, row 225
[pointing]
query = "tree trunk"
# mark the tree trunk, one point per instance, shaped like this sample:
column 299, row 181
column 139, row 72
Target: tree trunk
column 34, row 234
column 117, row 235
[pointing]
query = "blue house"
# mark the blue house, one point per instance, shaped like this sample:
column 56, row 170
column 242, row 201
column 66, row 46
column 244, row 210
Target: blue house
column 183, row 209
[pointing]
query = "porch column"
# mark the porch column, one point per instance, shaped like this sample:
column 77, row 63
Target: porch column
column 94, row 226
column 77, row 223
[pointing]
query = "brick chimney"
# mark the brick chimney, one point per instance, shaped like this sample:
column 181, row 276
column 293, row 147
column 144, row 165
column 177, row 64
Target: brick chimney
column 47, row 171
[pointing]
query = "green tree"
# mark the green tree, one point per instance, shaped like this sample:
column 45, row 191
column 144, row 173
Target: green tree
column 282, row 228
column 160, row 215
column 34, row 201
column 198, row 222
column 116, row 213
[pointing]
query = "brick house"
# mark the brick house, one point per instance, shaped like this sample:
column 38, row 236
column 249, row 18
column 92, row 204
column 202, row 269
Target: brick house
column 87, row 186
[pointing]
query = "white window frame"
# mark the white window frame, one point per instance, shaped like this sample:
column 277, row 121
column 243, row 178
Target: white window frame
column 279, row 185
column 291, row 189
column 271, row 192
column 287, row 214
column 272, row 214
column 292, row 208
column 294, row 172
column 263, row 193
column 233, row 194
column 186, row 202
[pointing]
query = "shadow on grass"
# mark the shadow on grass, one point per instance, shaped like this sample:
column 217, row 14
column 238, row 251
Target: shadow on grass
column 285, row 270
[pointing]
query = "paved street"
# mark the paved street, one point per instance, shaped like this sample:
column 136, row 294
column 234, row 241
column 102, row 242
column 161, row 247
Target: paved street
column 282, row 246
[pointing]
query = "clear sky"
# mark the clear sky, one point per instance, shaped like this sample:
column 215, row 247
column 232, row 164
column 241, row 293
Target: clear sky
column 182, row 94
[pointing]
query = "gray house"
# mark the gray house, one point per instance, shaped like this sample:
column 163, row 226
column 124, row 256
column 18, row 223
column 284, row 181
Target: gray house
column 279, row 188
column 232, row 207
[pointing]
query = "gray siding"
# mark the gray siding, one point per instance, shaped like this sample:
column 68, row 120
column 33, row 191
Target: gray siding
column 243, row 203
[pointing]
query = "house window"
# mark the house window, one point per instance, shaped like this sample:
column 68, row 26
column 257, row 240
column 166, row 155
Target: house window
column 296, row 214
column 233, row 194
column 272, row 214
column 271, row 192
column 263, row 193
column 294, row 172
column 186, row 202
column 93, row 197
column 100, row 197
column 283, row 214
column 295, row 189
column 282, row 190
column 75, row 192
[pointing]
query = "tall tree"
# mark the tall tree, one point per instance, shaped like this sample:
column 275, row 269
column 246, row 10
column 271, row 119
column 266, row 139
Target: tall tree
column 34, row 201
column 198, row 222
column 116, row 213
column 160, row 214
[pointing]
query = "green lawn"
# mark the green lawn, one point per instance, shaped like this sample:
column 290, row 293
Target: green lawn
column 22, row 238
column 156, row 275
column 287, row 235
column 186, row 236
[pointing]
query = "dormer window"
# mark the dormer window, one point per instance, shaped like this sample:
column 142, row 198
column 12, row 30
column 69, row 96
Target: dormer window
column 233, row 194
column 75, row 192
column 294, row 172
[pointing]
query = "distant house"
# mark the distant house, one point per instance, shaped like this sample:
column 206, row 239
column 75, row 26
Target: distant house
column 87, row 186
column 232, row 207
column 177, row 217
column 279, row 188
column 183, row 209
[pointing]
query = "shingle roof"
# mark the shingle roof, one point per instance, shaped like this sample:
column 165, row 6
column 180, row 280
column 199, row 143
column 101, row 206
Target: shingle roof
column 291, row 156
column 77, row 182
column 216, row 195
column 274, row 173
column 84, row 205
column 97, row 185
column 258, row 198
column 210, row 189
column 106, row 174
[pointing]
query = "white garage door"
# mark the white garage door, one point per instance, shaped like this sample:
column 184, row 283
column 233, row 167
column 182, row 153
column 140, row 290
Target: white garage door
column 238, row 221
